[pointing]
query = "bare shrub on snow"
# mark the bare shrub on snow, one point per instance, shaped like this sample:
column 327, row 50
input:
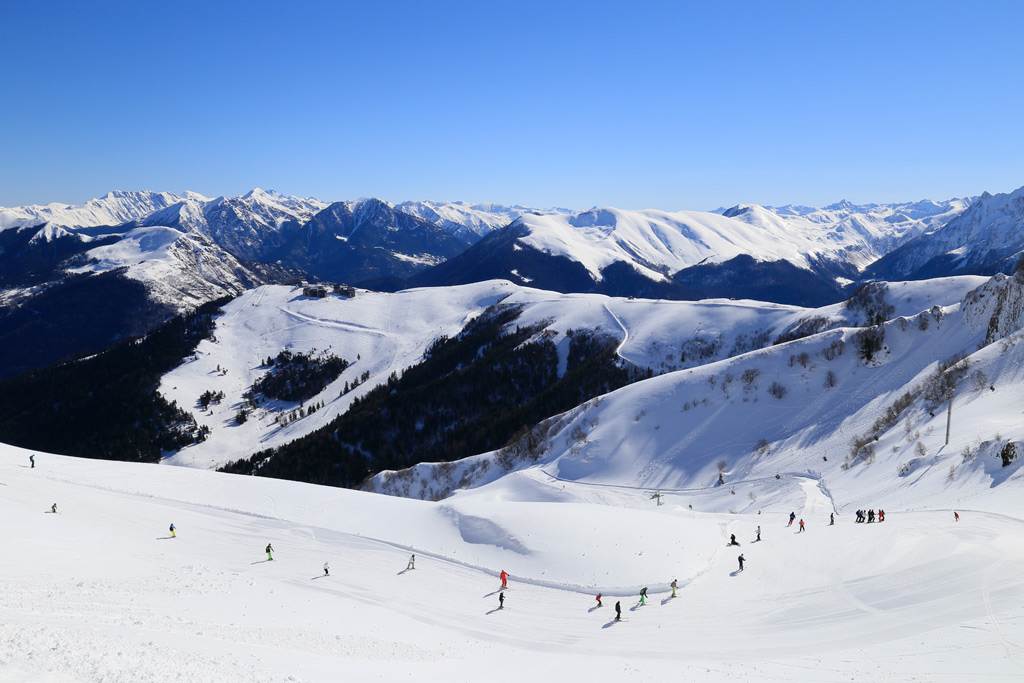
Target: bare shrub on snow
column 833, row 350
column 777, row 390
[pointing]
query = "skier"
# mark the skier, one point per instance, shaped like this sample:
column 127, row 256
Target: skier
column 881, row 515
column 831, row 518
column 173, row 535
column 270, row 549
column 327, row 570
column 673, row 588
column 792, row 517
column 599, row 600
column 759, row 532
column 412, row 562
column 721, row 480
column 504, row 579
column 956, row 515
column 871, row 516
column 32, row 459
column 778, row 477
column 643, row 595
column 740, row 558
column 53, row 508
column 501, row 601
column 732, row 539
column 801, row 526
column 618, row 611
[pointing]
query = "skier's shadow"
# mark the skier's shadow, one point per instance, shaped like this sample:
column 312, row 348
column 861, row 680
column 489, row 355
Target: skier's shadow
column 322, row 576
column 496, row 609
column 667, row 600
column 592, row 609
column 164, row 538
column 259, row 562
column 494, row 592
column 403, row 571
column 611, row 623
column 635, row 607
column 735, row 573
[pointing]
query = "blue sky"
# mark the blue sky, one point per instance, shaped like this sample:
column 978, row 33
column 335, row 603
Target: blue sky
column 670, row 105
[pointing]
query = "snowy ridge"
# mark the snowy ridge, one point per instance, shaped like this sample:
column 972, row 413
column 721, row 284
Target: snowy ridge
column 982, row 238
column 183, row 270
column 659, row 243
column 113, row 208
column 469, row 221
column 861, row 232
column 244, row 225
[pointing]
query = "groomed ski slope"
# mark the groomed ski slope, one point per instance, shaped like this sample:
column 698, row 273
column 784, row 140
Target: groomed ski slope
column 98, row 592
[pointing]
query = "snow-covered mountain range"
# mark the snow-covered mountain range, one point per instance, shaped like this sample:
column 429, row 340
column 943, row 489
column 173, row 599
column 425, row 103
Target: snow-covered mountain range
column 795, row 255
column 790, row 255
column 986, row 238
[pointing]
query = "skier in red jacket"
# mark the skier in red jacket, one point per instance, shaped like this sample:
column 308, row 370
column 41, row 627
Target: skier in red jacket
column 504, row 579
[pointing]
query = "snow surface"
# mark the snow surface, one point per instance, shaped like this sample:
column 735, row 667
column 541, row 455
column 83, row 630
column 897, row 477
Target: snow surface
column 659, row 243
column 184, row 270
column 381, row 333
column 100, row 592
column 468, row 221
column 113, row 208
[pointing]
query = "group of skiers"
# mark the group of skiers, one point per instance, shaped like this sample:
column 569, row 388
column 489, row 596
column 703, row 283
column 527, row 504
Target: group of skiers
column 869, row 516
column 861, row 516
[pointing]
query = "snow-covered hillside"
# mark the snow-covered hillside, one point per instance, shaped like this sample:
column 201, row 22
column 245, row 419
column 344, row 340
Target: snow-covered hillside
column 100, row 591
column 381, row 333
column 866, row 431
column 184, row 270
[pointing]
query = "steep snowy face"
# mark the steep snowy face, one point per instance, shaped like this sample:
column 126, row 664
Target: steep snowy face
column 114, row 208
column 469, row 221
column 181, row 270
column 367, row 239
column 859, row 234
column 997, row 306
column 984, row 238
column 250, row 225
column 658, row 243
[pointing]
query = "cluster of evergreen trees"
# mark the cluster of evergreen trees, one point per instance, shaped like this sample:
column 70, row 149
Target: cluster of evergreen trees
column 298, row 376
column 107, row 405
column 470, row 394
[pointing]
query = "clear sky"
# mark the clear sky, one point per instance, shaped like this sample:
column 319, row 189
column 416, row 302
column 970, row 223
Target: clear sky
column 635, row 104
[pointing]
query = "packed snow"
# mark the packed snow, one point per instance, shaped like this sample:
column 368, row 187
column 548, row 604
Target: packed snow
column 100, row 590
